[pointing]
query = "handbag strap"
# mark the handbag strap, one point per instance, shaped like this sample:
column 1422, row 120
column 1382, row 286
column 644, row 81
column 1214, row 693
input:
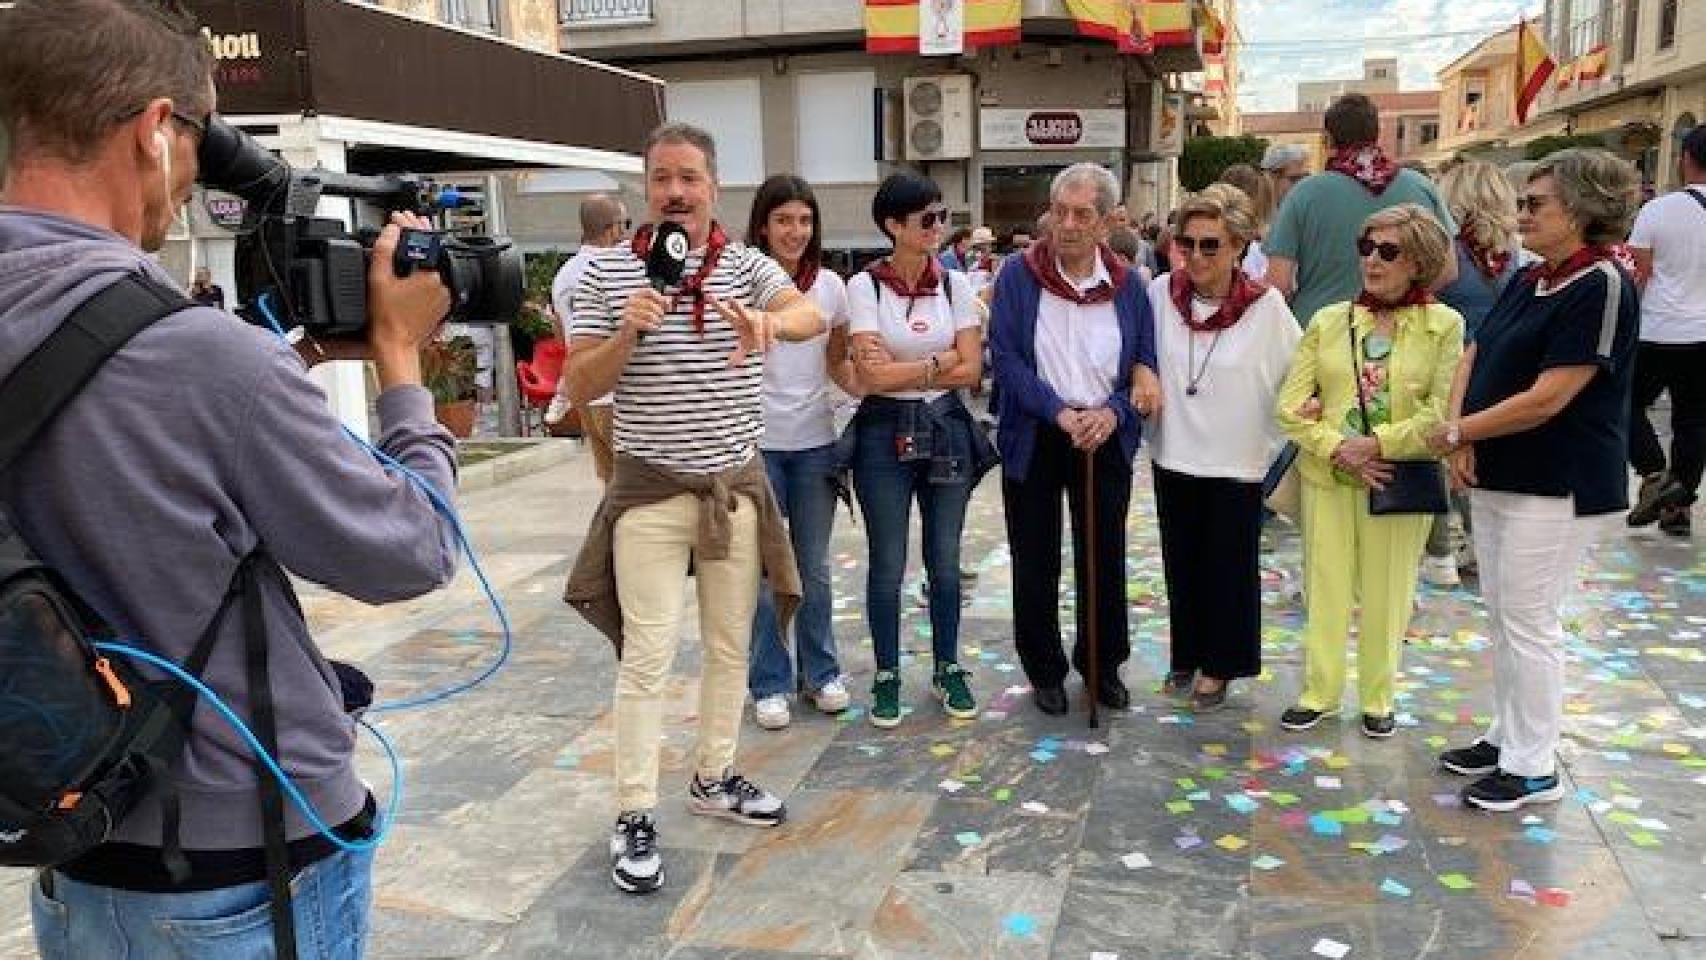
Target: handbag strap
column 1356, row 366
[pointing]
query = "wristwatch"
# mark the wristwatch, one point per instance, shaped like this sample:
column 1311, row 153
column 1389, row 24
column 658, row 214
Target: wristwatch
column 1454, row 434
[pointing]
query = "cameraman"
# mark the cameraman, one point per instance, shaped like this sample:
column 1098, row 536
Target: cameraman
column 199, row 443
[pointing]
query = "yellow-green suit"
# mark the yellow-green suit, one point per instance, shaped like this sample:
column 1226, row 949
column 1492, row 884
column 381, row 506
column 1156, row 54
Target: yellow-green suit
column 1348, row 553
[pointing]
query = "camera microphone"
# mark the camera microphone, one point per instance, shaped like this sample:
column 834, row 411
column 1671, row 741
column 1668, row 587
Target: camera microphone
column 666, row 261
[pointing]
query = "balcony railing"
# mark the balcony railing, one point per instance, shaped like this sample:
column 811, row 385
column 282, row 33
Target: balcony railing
column 597, row 14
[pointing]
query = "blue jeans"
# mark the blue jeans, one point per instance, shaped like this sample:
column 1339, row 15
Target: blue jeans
column 886, row 489
column 331, row 900
column 801, row 481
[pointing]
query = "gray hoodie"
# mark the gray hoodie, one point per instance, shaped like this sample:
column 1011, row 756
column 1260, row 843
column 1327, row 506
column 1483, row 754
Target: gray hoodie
column 199, row 441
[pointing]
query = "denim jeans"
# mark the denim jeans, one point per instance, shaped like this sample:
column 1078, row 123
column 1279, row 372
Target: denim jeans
column 802, row 483
column 886, row 489
column 331, row 900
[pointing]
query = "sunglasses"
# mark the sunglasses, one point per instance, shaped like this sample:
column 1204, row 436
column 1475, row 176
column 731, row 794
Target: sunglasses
column 1207, row 246
column 1531, row 203
column 933, row 216
column 1388, row 251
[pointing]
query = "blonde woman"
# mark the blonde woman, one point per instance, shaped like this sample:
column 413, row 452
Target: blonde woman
column 1392, row 351
column 1260, row 190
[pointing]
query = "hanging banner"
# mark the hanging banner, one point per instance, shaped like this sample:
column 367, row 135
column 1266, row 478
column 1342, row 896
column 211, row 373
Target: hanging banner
column 943, row 32
column 904, row 26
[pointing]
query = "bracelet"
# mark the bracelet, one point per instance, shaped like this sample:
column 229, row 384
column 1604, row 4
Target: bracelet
column 932, row 367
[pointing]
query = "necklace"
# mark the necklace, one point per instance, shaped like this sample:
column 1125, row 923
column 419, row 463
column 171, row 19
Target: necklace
column 1195, row 372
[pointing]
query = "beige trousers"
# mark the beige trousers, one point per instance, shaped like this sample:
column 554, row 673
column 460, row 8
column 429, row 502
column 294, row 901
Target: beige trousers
column 652, row 547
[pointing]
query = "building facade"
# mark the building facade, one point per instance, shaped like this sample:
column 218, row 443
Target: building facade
column 1409, row 127
column 1379, row 76
column 1478, row 103
column 788, row 86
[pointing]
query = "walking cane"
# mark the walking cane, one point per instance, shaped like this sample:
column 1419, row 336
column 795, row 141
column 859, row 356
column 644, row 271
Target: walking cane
column 1088, row 594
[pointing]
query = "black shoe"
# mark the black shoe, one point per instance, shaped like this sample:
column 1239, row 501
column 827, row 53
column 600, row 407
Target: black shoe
column 1209, row 702
column 1676, row 521
column 1646, row 508
column 1051, row 700
column 1476, row 760
column 1301, row 718
column 635, row 866
column 1179, row 683
column 1378, row 727
column 1111, row 692
column 1502, row 792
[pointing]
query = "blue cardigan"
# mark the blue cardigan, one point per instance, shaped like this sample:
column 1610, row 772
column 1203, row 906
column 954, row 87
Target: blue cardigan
column 1024, row 402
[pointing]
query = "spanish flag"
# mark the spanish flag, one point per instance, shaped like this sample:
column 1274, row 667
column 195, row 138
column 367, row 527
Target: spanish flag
column 1213, row 33
column 891, row 26
column 1592, row 65
column 1533, row 65
column 1136, row 26
column 1566, row 77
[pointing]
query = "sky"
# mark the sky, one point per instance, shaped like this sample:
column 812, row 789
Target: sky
column 1289, row 41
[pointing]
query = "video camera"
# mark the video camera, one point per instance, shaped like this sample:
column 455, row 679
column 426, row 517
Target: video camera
column 316, row 269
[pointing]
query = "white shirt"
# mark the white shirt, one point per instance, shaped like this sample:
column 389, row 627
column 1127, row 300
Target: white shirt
column 929, row 328
column 1078, row 346
column 1673, row 307
column 799, row 397
column 563, row 296
column 1227, row 429
column 1255, row 260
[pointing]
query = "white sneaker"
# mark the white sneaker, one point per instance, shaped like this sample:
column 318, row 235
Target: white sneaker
column 1440, row 571
column 558, row 409
column 771, row 712
column 832, row 697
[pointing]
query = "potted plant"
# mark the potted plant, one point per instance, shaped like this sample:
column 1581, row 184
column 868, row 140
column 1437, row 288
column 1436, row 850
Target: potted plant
column 448, row 369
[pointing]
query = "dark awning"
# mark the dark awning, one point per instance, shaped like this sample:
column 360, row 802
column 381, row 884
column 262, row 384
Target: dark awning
column 335, row 58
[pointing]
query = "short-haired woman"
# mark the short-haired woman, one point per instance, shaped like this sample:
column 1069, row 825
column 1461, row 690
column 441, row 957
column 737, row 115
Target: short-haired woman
column 1260, row 190
column 916, row 339
column 1225, row 342
column 1392, row 353
column 803, row 383
column 1538, row 430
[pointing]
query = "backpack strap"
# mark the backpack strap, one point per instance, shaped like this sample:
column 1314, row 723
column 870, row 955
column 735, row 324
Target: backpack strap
column 57, row 370
column 265, row 723
column 1699, row 197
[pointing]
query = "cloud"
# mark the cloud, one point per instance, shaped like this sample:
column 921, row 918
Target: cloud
column 1291, row 41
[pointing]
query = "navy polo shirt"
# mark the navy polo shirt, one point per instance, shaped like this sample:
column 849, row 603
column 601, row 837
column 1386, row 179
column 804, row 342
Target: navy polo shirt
column 1591, row 319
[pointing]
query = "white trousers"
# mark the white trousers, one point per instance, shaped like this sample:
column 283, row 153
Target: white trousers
column 1530, row 551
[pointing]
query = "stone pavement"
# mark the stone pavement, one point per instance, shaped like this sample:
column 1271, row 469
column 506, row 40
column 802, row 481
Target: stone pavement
column 1160, row 835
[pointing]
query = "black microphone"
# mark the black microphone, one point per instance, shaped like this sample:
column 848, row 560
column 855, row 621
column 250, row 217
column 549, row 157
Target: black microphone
column 667, row 259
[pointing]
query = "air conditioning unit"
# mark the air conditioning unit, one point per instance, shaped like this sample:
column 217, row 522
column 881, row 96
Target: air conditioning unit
column 939, row 117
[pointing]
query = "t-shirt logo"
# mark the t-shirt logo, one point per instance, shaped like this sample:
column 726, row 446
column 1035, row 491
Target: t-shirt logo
column 920, row 323
column 676, row 245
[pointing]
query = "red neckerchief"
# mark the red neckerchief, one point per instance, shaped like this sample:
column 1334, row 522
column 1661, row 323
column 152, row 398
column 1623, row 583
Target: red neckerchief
column 805, row 274
column 883, row 270
column 693, row 286
column 1365, row 163
column 1041, row 261
column 1244, row 292
column 1491, row 263
column 1573, row 264
column 1417, row 297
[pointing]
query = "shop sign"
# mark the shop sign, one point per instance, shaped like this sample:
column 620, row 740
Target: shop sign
column 1049, row 129
column 226, row 210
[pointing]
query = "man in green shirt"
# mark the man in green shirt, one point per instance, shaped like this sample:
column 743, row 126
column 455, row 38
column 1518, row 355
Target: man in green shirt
column 1312, row 254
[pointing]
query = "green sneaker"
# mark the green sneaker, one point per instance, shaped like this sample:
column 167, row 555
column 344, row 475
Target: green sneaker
column 949, row 683
column 885, row 700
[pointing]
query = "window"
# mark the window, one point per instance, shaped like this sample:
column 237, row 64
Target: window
column 474, row 14
column 1430, row 133
column 731, row 111
column 1380, row 73
column 1667, row 24
column 837, row 119
column 1631, row 27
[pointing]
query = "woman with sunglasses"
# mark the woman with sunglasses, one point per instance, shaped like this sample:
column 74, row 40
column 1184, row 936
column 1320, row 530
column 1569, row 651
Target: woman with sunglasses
column 1392, row 353
column 803, row 384
column 1539, row 423
column 1225, row 343
column 916, row 340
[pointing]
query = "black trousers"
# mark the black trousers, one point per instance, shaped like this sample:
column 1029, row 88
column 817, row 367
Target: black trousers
column 1032, row 507
column 1679, row 368
column 1210, row 533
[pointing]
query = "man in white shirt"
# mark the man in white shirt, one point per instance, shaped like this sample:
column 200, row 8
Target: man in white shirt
column 604, row 225
column 1670, row 267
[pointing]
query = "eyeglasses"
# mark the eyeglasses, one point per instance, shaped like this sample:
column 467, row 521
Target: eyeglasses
column 1532, row 202
column 933, row 216
column 1388, row 251
column 199, row 127
column 1207, row 246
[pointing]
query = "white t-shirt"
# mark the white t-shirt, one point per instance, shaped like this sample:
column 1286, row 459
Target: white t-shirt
column 1255, row 260
column 563, row 295
column 930, row 326
column 1673, row 307
column 1078, row 347
column 679, row 404
column 1227, row 429
column 799, row 397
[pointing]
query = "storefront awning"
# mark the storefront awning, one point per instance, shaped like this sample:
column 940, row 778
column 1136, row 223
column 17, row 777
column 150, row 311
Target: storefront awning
column 401, row 83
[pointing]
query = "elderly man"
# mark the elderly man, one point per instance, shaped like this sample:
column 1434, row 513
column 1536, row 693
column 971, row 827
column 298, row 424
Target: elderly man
column 1286, row 164
column 687, row 368
column 1071, row 332
column 604, row 225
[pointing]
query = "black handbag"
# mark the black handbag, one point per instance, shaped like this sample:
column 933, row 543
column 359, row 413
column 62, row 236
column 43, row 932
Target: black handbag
column 1417, row 486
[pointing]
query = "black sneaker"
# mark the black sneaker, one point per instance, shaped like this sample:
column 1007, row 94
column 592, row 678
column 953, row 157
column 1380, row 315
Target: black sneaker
column 1676, row 521
column 635, row 866
column 1476, row 760
column 735, row 798
column 1502, row 792
column 1302, row 718
column 1379, row 727
column 1646, row 508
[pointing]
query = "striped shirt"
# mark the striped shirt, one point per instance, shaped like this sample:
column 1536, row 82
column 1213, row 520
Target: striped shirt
column 679, row 403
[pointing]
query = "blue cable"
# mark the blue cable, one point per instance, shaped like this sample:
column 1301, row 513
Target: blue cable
column 382, row 828
column 446, row 510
